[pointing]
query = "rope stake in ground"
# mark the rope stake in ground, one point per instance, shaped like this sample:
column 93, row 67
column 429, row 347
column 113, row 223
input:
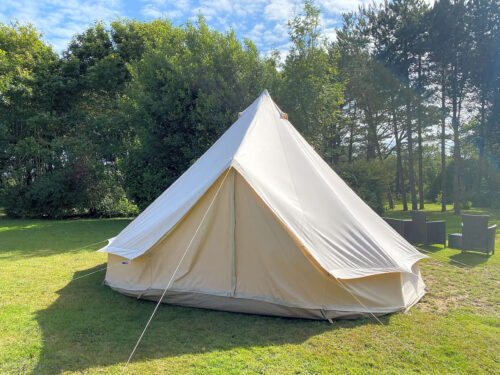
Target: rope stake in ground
column 175, row 272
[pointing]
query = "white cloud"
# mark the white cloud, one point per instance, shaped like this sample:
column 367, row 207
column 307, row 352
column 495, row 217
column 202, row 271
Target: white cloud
column 151, row 11
column 263, row 21
column 330, row 33
column 245, row 8
column 157, row 11
column 277, row 34
column 218, row 6
column 59, row 20
column 268, row 35
column 256, row 33
column 329, row 27
column 340, row 6
column 281, row 10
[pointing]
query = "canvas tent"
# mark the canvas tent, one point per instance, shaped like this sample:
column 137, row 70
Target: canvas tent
column 261, row 224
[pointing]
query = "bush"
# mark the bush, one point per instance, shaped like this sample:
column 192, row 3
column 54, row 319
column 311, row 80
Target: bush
column 369, row 180
column 115, row 204
column 439, row 198
column 48, row 196
column 467, row 205
column 74, row 190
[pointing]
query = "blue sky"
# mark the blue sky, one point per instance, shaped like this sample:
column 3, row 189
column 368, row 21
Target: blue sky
column 263, row 21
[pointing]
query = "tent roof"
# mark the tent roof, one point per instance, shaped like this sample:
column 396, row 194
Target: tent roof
column 338, row 230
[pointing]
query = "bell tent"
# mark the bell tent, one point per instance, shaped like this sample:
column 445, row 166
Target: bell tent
column 261, row 224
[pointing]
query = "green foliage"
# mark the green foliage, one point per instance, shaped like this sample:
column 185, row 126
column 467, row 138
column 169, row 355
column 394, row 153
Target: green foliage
column 489, row 193
column 48, row 196
column 114, row 203
column 129, row 106
column 59, row 138
column 467, row 205
column 369, row 180
column 311, row 90
column 74, row 189
column 183, row 95
column 438, row 198
column 138, row 100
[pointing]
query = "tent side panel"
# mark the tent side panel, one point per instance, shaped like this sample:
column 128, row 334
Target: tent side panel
column 126, row 274
column 269, row 263
column 207, row 264
column 205, row 230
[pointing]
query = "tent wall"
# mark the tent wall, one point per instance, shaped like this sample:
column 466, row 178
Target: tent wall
column 243, row 259
column 207, row 264
column 270, row 264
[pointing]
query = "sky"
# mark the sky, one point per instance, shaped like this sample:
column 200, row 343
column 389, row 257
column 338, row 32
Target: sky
column 263, row 21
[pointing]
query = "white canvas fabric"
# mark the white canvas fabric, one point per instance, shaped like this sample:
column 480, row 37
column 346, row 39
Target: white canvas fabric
column 336, row 228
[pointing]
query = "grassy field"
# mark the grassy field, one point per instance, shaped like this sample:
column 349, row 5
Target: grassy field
column 53, row 320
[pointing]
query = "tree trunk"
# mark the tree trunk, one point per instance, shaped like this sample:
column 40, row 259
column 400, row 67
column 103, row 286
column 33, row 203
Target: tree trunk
column 399, row 163
column 420, row 168
column 397, row 188
column 389, row 191
column 389, row 197
column 335, row 145
column 456, row 176
column 481, row 144
column 443, row 144
column 371, row 137
column 419, row 130
column 411, row 170
column 349, row 150
column 351, row 137
column 456, row 147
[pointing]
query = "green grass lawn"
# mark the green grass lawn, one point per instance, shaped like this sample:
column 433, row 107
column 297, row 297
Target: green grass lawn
column 50, row 324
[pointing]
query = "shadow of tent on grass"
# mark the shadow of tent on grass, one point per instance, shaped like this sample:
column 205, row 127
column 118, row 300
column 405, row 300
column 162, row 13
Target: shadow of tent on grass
column 90, row 325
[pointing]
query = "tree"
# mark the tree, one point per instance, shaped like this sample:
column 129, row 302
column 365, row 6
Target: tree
column 367, row 94
column 184, row 93
column 395, row 32
column 450, row 24
column 311, row 89
column 28, row 71
column 484, row 27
